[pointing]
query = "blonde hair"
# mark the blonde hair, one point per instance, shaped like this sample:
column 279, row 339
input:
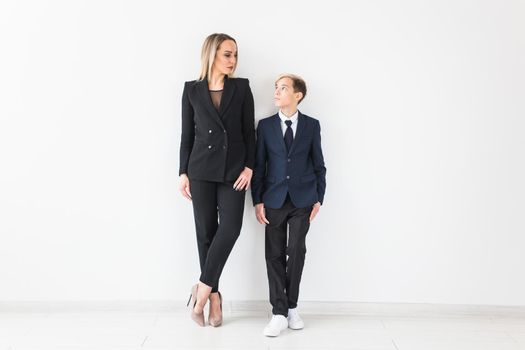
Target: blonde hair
column 209, row 50
column 299, row 85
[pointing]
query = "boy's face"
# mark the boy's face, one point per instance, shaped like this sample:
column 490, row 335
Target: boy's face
column 284, row 95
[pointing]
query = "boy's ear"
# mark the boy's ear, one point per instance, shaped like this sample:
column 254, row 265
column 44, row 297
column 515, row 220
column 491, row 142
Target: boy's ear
column 298, row 96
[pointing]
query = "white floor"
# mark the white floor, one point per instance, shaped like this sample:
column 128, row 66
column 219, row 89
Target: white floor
column 328, row 326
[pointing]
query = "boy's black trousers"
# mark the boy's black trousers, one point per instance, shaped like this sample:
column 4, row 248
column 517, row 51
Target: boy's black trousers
column 285, row 252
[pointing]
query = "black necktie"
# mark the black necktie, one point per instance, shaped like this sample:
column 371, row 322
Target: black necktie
column 288, row 135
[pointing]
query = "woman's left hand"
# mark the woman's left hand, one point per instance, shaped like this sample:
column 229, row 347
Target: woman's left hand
column 243, row 181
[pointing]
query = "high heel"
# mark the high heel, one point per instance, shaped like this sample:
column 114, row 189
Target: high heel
column 217, row 320
column 198, row 318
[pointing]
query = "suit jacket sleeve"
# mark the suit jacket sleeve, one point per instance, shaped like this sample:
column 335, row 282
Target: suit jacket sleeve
column 318, row 162
column 248, row 128
column 259, row 172
column 187, row 131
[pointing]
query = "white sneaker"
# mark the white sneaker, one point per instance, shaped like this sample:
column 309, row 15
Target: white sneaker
column 294, row 320
column 277, row 324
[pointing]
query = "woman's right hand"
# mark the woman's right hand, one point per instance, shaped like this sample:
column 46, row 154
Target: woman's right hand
column 184, row 186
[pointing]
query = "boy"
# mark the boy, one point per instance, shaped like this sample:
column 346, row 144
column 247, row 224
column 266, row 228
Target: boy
column 288, row 187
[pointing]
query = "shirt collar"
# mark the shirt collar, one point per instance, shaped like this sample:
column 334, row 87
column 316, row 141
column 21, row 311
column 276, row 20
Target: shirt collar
column 293, row 118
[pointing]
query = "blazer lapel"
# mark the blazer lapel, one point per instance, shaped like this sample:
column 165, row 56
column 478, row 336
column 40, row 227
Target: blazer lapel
column 202, row 88
column 278, row 131
column 227, row 95
column 298, row 132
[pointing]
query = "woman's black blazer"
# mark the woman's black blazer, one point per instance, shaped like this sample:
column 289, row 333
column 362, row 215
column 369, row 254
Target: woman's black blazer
column 217, row 145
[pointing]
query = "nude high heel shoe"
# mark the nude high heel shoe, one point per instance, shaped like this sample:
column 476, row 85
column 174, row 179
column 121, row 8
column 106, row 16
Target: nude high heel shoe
column 198, row 318
column 217, row 320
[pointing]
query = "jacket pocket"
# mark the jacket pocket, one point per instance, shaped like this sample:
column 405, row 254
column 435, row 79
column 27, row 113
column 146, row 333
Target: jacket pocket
column 308, row 178
column 270, row 179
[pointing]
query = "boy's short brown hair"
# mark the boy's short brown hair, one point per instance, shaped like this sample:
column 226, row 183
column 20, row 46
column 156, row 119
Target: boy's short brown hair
column 299, row 84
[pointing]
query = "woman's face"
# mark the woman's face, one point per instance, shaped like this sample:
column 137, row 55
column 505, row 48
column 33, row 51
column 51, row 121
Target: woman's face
column 226, row 58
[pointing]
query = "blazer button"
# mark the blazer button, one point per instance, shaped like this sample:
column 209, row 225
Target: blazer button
column 209, row 131
column 224, row 131
column 287, row 177
column 223, row 147
column 289, row 160
column 209, row 146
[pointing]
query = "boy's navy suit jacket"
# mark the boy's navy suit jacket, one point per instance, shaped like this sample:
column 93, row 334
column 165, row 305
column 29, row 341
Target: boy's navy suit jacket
column 300, row 172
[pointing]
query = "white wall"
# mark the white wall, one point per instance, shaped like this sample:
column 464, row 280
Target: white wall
column 421, row 106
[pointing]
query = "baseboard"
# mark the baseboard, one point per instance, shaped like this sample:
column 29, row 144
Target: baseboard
column 307, row 307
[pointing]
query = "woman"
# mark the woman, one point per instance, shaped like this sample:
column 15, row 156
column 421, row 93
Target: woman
column 217, row 154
